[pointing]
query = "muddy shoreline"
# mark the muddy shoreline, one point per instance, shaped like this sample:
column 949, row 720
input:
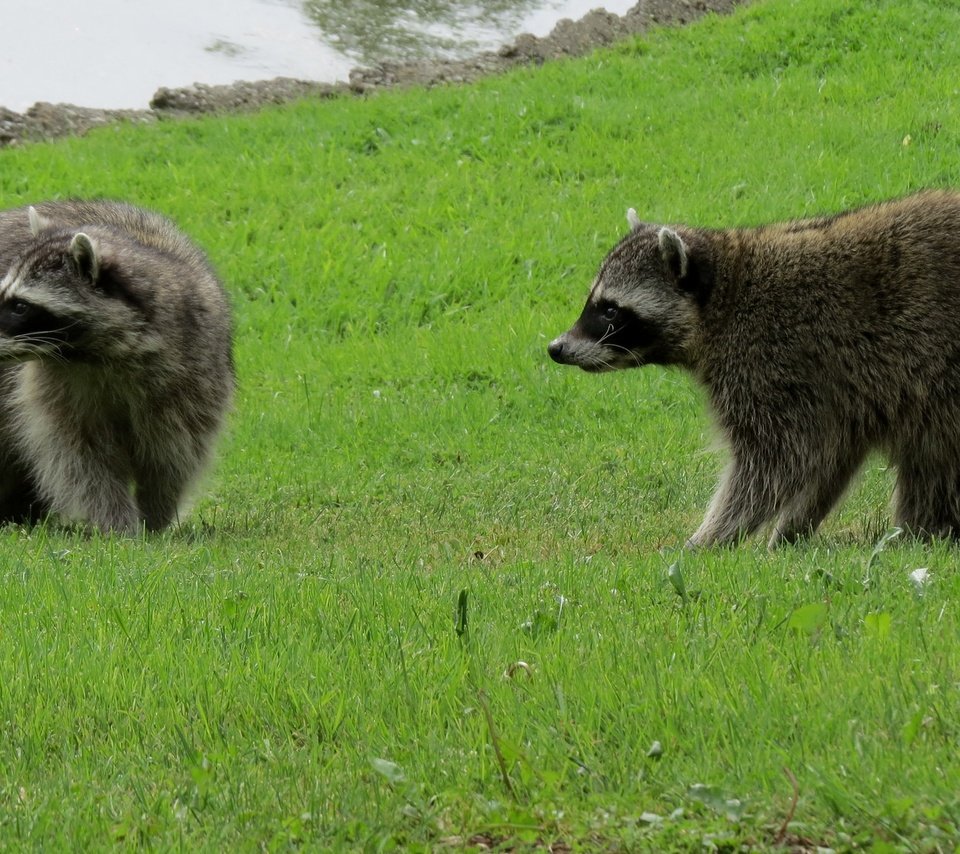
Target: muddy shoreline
column 44, row 121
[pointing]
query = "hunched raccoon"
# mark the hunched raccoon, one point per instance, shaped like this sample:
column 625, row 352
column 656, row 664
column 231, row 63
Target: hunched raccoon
column 816, row 340
column 116, row 367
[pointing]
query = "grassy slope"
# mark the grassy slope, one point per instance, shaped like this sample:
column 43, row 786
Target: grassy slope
column 286, row 668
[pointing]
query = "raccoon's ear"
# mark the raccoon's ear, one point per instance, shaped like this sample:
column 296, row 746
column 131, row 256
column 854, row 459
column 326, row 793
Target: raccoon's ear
column 85, row 256
column 674, row 252
column 38, row 222
column 632, row 219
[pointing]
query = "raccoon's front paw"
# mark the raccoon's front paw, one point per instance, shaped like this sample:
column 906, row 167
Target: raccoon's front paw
column 781, row 537
column 115, row 514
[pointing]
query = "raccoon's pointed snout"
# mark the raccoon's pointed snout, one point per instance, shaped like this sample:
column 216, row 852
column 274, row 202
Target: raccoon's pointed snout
column 556, row 350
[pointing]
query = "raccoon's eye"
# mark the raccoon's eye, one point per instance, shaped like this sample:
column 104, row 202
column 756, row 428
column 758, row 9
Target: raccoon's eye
column 610, row 313
column 18, row 308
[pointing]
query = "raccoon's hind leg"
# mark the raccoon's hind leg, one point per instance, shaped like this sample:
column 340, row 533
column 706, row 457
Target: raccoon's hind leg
column 927, row 499
column 825, row 486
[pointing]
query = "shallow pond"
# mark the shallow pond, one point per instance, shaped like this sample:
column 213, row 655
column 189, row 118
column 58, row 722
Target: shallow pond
column 117, row 53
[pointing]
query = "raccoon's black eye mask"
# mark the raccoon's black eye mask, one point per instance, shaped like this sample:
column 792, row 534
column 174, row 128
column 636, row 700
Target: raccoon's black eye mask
column 614, row 326
column 601, row 319
column 21, row 319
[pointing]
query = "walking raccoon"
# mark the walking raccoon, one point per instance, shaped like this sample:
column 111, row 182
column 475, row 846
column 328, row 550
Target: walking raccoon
column 116, row 367
column 816, row 340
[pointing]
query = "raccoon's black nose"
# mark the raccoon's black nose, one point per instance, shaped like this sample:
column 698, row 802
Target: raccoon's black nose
column 556, row 350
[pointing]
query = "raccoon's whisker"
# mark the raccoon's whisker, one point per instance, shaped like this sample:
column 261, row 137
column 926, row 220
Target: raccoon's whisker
column 633, row 355
column 30, row 350
column 56, row 355
column 610, row 331
column 606, row 363
column 41, row 346
column 628, row 351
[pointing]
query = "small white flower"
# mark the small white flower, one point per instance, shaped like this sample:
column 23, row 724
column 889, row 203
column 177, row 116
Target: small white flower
column 920, row 577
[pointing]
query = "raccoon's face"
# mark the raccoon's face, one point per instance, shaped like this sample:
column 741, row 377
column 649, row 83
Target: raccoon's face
column 58, row 301
column 643, row 307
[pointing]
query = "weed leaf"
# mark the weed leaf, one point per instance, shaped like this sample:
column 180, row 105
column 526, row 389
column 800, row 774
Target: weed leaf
column 676, row 579
column 388, row 769
column 808, row 618
column 881, row 545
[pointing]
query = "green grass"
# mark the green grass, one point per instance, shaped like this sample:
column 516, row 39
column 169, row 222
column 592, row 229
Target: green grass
column 290, row 668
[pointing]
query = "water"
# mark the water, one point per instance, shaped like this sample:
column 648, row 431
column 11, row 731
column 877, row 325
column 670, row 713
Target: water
column 117, row 53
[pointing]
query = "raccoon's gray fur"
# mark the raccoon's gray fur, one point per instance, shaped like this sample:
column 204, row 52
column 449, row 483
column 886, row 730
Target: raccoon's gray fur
column 116, row 366
column 816, row 340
